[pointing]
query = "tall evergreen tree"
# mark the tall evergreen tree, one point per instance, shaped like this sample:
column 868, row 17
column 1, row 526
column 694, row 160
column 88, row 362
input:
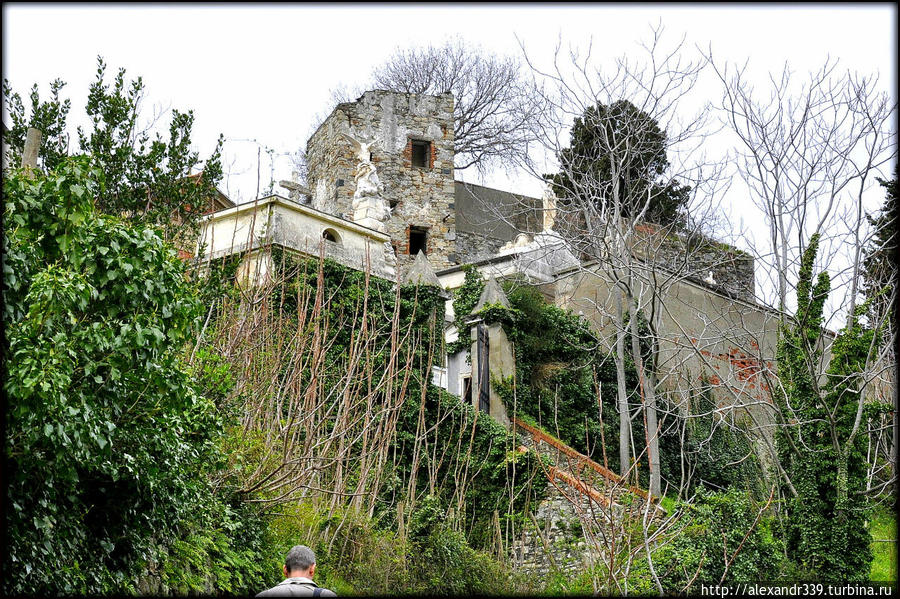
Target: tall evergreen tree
column 880, row 262
column 618, row 153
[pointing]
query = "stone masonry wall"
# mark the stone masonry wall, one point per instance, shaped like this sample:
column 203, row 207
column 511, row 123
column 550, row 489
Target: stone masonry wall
column 418, row 197
column 554, row 539
column 582, row 513
column 731, row 268
column 472, row 247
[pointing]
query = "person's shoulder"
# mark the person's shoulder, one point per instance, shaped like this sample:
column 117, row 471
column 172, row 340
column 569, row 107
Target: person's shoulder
column 284, row 588
column 297, row 588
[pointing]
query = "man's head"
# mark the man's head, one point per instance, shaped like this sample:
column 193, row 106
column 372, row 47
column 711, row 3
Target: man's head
column 300, row 561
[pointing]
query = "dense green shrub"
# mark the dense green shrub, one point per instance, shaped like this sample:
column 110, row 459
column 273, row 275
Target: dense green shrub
column 226, row 549
column 443, row 563
column 716, row 525
column 109, row 438
column 357, row 555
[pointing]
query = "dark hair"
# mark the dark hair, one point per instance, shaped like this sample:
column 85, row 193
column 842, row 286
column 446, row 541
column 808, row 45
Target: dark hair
column 300, row 557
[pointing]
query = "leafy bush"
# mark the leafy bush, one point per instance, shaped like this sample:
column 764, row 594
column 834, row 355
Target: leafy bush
column 443, row 563
column 357, row 556
column 225, row 550
column 718, row 524
column 135, row 166
column 110, row 440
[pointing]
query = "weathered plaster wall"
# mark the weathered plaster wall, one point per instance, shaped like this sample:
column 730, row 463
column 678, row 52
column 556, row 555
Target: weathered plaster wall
column 703, row 334
column 418, row 196
column 278, row 221
column 501, row 364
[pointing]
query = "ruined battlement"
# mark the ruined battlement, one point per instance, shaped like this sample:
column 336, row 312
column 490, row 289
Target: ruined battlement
column 410, row 139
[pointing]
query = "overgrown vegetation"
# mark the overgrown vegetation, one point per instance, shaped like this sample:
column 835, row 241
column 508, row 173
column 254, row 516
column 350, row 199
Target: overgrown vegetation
column 177, row 432
column 567, row 385
column 375, row 346
column 110, row 439
column 725, row 537
column 822, row 450
column 883, row 527
column 154, row 476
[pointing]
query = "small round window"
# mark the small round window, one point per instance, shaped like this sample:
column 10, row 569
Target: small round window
column 331, row 235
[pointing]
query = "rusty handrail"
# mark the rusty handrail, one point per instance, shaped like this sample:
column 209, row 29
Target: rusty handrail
column 540, row 435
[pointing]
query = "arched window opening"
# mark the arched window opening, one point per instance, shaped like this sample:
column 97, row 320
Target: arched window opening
column 331, row 235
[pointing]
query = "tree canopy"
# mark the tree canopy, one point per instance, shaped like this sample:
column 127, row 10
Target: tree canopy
column 152, row 179
column 879, row 272
column 493, row 110
column 617, row 158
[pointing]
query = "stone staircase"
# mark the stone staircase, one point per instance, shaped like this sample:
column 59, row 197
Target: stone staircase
column 582, row 498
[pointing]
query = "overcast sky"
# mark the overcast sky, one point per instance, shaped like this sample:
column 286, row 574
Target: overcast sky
column 262, row 72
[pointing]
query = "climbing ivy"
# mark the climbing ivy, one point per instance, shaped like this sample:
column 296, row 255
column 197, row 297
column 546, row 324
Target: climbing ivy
column 820, row 450
column 451, row 424
column 464, row 300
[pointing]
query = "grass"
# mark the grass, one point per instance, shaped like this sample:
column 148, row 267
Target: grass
column 883, row 525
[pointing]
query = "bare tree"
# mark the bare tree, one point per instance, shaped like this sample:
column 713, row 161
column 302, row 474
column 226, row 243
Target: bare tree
column 810, row 152
column 494, row 109
column 607, row 187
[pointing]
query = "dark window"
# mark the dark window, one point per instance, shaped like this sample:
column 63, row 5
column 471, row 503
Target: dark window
column 467, row 389
column 418, row 237
column 330, row 235
column 482, row 344
column 421, row 152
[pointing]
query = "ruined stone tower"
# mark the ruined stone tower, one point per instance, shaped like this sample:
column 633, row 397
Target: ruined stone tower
column 412, row 152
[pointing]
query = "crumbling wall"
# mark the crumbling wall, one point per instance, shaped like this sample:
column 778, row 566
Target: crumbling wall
column 698, row 256
column 418, row 196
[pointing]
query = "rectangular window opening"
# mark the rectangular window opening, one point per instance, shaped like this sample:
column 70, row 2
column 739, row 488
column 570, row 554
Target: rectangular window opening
column 467, row 389
column 421, row 153
column 418, row 238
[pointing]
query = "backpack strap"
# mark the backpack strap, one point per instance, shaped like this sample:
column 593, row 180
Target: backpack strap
column 317, row 592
